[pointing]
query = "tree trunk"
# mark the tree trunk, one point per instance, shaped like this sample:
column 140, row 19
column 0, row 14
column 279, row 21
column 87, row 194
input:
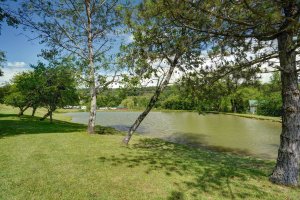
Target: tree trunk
column 151, row 104
column 51, row 117
column 33, row 111
column 286, row 171
column 92, row 117
column 233, row 106
column 22, row 110
column 93, row 90
column 142, row 116
column 49, row 113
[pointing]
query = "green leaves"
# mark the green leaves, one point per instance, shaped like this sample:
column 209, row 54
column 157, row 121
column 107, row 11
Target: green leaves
column 49, row 86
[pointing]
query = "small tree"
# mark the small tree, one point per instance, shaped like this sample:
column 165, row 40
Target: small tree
column 16, row 99
column 22, row 92
column 57, row 86
column 128, row 103
column 28, row 83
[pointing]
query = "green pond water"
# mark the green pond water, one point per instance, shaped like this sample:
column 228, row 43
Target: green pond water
column 226, row 133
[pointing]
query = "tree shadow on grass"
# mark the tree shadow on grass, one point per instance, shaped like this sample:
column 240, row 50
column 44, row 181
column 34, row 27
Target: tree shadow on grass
column 220, row 174
column 199, row 140
column 11, row 125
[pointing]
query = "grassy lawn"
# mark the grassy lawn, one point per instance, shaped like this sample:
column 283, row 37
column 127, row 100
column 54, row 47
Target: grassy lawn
column 39, row 160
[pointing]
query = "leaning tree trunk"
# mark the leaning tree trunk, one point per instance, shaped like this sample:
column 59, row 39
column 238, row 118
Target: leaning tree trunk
column 49, row 113
column 151, row 104
column 93, row 89
column 286, row 171
column 22, row 110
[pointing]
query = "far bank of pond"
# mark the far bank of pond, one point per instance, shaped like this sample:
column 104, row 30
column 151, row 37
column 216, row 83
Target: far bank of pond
column 220, row 132
column 250, row 116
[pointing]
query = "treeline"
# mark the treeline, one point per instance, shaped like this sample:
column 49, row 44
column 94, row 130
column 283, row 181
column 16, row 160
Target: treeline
column 224, row 95
column 55, row 86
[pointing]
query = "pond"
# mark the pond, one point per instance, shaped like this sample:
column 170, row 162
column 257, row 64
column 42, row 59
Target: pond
column 213, row 131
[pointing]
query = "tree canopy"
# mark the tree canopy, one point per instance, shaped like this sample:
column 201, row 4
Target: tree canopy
column 51, row 87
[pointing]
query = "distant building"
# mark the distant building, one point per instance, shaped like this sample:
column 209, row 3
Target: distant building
column 120, row 107
column 75, row 107
column 253, row 106
column 103, row 108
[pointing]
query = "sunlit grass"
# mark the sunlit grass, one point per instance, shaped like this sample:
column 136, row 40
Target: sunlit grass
column 39, row 160
column 40, row 112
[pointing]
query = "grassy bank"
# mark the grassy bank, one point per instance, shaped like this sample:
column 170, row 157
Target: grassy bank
column 39, row 160
column 250, row 116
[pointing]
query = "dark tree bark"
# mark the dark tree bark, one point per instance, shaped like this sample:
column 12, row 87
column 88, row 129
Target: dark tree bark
column 51, row 117
column 22, row 110
column 233, row 106
column 151, row 103
column 45, row 116
column 33, row 111
column 287, row 167
column 48, row 114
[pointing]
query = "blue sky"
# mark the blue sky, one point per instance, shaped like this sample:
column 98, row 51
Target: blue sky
column 20, row 52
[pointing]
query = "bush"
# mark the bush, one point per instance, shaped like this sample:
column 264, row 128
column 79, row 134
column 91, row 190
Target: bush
column 271, row 105
column 128, row 103
column 175, row 103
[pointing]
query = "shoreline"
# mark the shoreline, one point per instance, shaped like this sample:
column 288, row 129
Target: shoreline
column 249, row 116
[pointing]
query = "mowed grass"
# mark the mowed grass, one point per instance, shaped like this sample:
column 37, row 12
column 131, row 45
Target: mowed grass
column 39, row 160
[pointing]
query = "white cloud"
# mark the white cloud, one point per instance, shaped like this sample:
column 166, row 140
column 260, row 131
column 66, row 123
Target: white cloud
column 266, row 77
column 130, row 38
column 11, row 69
column 16, row 64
